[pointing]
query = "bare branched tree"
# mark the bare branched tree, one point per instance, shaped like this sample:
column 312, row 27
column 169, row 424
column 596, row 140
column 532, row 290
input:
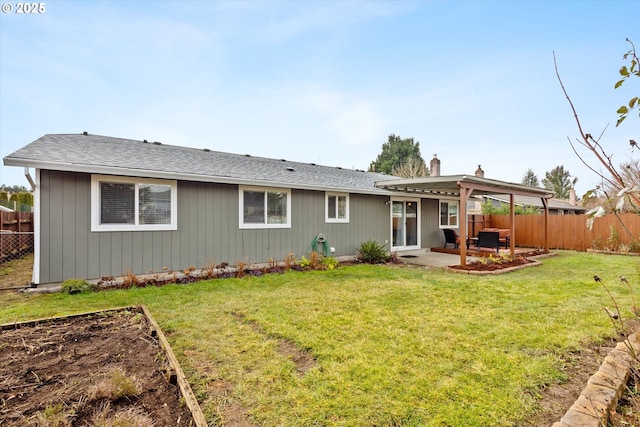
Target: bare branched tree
column 619, row 188
column 412, row 168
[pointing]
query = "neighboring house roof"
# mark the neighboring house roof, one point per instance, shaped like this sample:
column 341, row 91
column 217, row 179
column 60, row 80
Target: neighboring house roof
column 118, row 156
column 554, row 204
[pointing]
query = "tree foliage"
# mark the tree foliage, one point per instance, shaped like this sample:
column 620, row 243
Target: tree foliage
column 633, row 69
column 530, row 179
column 397, row 152
column 559, row 181
column 489, row 208
column 22, row 201
column 14, row 188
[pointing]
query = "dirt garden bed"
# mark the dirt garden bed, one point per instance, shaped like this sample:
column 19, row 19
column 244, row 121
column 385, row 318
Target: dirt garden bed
column 104, row 368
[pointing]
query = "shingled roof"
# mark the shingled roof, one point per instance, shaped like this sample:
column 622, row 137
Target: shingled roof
column 118, row 156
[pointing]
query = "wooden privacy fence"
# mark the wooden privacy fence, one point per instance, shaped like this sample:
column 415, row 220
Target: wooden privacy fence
column 16, row 235
column 565, row 231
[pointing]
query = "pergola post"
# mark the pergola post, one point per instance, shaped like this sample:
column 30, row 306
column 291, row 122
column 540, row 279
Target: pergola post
column 465, row 194
column 512, row 225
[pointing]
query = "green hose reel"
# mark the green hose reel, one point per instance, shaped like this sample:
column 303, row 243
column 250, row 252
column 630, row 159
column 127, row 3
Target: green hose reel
column 320, row 239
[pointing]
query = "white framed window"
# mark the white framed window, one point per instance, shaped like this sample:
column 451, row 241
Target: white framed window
column 336, row 207
column 449, row 214
column 265, row 207
column 133, row 204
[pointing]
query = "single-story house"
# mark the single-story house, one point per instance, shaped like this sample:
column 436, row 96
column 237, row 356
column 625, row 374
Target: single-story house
column 106, row 206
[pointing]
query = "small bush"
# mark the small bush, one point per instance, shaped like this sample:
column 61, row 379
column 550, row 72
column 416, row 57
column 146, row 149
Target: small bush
column 289, row 261
column 613, row 243
column 598, row 243
column 330, row 262
column 372, row 252
column 315, row 258
column 74, row 286
column 208, row 271
column 129, row 280
column 241, row 268
column 315, row 262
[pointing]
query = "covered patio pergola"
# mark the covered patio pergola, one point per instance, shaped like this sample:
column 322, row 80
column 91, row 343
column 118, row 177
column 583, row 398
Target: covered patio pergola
column 463, row 186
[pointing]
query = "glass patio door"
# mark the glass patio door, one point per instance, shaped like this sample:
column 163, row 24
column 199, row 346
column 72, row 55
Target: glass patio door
column 404, row 224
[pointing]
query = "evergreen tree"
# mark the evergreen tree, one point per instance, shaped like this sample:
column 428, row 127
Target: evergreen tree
column 530, row 179
column 559, row 181
column 397, row 152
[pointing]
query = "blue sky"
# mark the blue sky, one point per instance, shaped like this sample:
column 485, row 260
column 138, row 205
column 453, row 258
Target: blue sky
column 324, row 81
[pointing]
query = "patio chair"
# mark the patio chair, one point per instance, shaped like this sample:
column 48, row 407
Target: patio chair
column 450, row 236
column 489, row 239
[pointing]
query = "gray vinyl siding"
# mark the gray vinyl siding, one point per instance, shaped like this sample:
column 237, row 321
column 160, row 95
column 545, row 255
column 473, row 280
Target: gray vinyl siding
column 432, row 236
column 208, row 231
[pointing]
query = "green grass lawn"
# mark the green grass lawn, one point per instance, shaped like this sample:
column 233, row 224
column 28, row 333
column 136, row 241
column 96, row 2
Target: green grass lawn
column 393, row 346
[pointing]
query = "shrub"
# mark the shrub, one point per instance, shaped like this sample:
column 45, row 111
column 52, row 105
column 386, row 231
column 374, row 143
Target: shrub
column 74, row 286
column 330, row 262
column 372, row 252
column 315, row 258
column 613, row 243
column 241, row 268
column 130, row 280
column 315, row 261
column 598, row 243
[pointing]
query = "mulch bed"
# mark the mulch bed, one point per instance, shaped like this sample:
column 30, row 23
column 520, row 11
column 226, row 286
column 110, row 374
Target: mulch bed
column 51, row 370
column 492, row 266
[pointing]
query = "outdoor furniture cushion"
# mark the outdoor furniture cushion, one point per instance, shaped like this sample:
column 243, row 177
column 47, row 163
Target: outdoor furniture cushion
column 504, row 235
column 489, row 239
column 450, row 236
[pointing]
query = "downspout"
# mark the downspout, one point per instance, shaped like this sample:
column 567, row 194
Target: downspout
column 545, row 203
column 28, row 176
column 35, row 277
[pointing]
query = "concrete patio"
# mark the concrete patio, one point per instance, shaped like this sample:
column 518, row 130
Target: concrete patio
column 427, row 258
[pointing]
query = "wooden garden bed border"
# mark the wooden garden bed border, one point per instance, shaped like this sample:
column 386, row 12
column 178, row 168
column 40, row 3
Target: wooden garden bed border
column 174, row 374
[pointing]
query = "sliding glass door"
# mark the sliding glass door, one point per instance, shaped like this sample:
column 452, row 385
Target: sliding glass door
column 405, row 224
